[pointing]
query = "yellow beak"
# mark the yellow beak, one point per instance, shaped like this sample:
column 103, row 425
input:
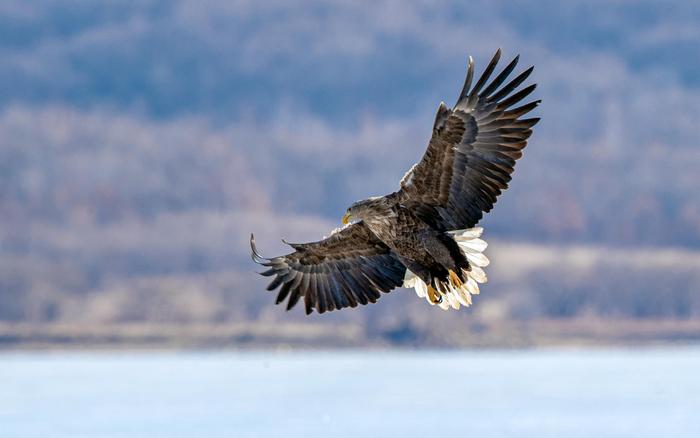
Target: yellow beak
column 346, row 218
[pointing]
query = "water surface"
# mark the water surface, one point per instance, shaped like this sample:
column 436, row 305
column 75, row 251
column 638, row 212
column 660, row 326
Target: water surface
column 551, row 393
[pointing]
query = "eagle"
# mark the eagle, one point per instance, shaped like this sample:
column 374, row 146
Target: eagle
column 423, row 236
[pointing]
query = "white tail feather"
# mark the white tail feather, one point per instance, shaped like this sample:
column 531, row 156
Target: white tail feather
column 477, row 259
column 478, row 274
column 475, row 245
column 472, row 247
column 469, row 233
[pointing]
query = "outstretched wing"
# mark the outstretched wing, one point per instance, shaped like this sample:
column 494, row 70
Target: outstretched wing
column 350, row 266
column 472, row 151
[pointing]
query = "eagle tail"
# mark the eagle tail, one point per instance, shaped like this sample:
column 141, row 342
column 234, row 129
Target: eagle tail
column 457, row 292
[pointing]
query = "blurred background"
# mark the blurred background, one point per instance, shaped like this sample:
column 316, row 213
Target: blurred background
column 142, row 142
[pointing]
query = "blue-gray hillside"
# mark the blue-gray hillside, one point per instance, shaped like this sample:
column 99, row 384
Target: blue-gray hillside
column 140, row 142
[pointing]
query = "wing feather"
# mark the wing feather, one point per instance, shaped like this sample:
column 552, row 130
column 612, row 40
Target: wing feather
column 473, row 149
column 350, row 266
column 284, row 291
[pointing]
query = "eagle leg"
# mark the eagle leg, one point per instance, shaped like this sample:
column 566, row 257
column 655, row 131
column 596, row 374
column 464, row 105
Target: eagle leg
column 434, row 295
column 454, row 280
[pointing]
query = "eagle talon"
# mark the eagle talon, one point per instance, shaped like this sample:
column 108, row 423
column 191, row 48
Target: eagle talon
column 434, row 295
column 454, row 280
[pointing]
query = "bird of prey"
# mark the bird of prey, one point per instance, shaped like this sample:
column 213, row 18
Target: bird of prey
column 424, row 235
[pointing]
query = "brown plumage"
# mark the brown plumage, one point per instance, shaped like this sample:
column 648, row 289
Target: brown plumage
column 423, row 232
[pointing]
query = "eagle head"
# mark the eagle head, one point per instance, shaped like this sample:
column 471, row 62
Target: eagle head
column 366, row 209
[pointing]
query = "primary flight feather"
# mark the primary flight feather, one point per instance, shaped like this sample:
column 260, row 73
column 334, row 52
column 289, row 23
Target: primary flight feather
column 423, row 235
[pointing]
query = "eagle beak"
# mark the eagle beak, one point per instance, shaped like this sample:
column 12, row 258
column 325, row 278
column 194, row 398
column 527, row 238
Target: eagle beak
column 346, row 218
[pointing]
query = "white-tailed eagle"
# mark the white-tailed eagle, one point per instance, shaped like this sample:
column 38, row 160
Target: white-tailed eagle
column 423, row 235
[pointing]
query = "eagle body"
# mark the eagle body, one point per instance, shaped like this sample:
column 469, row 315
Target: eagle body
column 427, row 252
column 423, row 236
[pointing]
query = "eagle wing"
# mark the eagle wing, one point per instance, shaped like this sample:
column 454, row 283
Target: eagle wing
column 350, row 266
column 472, row 152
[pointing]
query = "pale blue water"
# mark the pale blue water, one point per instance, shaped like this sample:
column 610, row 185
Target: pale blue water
column 582, row 393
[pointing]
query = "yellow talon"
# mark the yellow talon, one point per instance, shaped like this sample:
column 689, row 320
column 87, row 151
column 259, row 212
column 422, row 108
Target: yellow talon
column 454, row 280
column 434, row 296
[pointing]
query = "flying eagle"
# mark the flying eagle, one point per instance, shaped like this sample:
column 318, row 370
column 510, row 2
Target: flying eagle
column 423, row 235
